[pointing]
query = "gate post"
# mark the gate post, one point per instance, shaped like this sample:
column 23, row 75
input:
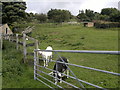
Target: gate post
column 35, row 67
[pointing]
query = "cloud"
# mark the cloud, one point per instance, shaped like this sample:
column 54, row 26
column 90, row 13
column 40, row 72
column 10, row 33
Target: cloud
column 43, row 6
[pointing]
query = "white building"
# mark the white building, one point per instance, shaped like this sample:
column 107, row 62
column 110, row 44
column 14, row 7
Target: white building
column 4, row 29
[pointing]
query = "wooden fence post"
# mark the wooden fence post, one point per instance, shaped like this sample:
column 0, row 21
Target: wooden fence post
column 12, row 37
column 9, row 37
column 24, row 47
column 1, row 40
column 17, row 41
column 36, row 47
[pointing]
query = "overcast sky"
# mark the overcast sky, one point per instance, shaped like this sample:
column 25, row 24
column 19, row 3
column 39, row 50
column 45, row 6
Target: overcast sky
column 43, row 6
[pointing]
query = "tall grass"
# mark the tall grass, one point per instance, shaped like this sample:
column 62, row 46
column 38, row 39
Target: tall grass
column 15, row 73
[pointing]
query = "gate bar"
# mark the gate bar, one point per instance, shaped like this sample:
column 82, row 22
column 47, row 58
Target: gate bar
column 58, row 79
column 74, row 78
column 44, row 83
column 48, row 80
column 88, row 68
column 82, row 51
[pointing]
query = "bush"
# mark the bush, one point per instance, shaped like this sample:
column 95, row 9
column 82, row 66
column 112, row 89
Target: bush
column 107, row 25
column 11, row 61
column 12, row 68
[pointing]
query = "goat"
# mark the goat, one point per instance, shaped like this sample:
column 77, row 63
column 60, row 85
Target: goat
column 60, row 68
column 46, row 56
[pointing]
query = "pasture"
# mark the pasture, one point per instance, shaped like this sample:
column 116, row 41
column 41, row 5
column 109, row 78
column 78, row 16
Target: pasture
column 77, row 37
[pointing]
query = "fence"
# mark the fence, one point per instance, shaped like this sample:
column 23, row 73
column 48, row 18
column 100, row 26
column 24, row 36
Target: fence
column 21, row 41
column 81, row 86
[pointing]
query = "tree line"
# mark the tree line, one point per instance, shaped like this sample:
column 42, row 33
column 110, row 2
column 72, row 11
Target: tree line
column 106, row 14
column 15, row 12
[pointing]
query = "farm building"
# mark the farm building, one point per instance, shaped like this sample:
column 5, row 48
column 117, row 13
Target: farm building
column 88, row 24
column 4, row 29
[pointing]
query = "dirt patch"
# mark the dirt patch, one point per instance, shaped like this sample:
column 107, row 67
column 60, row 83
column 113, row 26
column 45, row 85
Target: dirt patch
column 54, row 33
column 57, row 39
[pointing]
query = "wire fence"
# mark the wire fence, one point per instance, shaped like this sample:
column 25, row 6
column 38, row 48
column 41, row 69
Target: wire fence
column 81, row 86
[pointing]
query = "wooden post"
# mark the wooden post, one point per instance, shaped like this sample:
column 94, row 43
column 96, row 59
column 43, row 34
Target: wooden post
column 12, row 37
column 36, row 47
column 36, row 59
column 5, row 36
column 9, row 37
column 24, row 47
column 17, row 41
column 1, row 40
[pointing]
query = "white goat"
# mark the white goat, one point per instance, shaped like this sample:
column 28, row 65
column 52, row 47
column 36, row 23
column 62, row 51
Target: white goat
column 47, row 56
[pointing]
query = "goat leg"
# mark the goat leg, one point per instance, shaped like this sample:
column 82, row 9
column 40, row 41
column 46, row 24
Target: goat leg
column 60, row 79
column 46, row 63
column 56, row 78
column 67, row 73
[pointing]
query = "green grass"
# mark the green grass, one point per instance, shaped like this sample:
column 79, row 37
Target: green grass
column 0, row 68
column 77, row 37
column 15, row 73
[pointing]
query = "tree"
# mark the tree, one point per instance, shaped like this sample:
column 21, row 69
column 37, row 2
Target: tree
column 108, row 11
column 82, row 16
column 104, row 17
column 13, row 11
column 113, row 13
column 30, row 17
column 58, row 15
column 90, row 14
column 0, row 13
column 41, row 17
column 115, row 17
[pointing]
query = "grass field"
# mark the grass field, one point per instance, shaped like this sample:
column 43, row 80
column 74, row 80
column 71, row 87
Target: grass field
column 0, row 69
column 77, row 37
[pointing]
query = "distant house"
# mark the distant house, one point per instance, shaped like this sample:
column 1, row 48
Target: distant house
column 4, row 29
column 88, row 24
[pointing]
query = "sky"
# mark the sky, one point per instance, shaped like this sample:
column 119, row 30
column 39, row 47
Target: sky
column 43, row 6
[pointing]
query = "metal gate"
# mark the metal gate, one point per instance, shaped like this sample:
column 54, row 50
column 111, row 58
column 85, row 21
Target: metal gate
column 81, row 86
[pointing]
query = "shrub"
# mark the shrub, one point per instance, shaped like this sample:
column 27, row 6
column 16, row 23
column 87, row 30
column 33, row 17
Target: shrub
column 11, row 61
column 107, row 25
